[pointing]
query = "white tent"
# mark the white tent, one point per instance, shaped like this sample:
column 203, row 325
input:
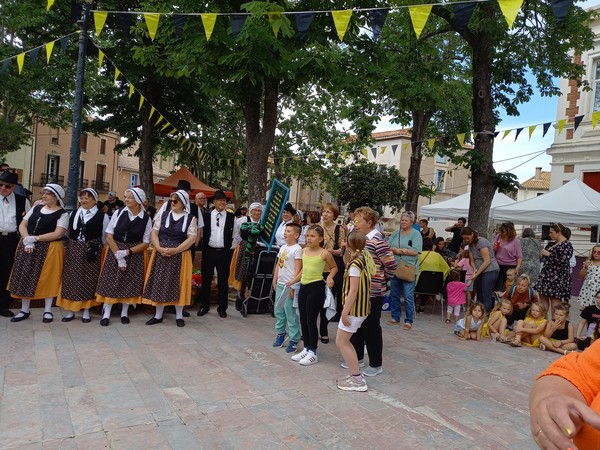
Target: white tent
column 573, row 203
column 459, row 206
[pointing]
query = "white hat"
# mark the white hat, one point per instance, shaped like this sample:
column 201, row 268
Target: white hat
column 138, row 194
column 185, row 199
column 255, row 205
column 92, row 192
column 57, row 191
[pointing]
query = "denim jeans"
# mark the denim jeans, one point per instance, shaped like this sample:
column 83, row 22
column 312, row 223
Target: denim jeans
column 484, row 284
column 405, row 289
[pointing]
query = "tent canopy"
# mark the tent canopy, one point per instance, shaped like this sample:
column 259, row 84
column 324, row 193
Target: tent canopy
column 167, row 186
column 459, row 206
column 573, row 203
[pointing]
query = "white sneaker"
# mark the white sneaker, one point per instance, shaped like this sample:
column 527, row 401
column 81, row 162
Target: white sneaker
column 372, row 371
column 361, row 364
column 352, row 384
column 309, row 359
column 298, row 356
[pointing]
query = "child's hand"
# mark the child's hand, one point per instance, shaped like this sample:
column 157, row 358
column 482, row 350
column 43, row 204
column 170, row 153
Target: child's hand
column 345, row 319
column 330, row 282
column 291, row 293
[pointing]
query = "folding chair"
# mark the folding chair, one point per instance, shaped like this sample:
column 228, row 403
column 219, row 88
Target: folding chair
column 431, row 283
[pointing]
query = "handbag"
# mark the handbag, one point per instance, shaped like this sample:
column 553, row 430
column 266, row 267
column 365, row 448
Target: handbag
column 406, row 272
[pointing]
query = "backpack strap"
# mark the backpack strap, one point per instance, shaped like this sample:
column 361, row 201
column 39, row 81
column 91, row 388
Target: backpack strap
column 336, row 237
column 511, row 291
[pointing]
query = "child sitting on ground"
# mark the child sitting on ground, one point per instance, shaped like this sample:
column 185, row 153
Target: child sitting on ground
column 528, row 331
column 558, row 336
column 455, row 290
column 495, row 327
column 470, row 326
column 590, row 316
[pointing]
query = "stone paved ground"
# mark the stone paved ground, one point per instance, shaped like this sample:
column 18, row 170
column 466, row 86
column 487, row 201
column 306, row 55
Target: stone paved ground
column 218, row 383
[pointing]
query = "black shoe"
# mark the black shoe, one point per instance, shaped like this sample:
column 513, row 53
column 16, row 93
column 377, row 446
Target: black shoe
column 180, row 323
column 185, row 313
column 125, row 320
column 104, row 322
column 87, row 320
column 47, row 320
column 68, row 319
column 203, row 312
column 152, row 321
column 6, row 313
column 23, row 317
column 222, row 314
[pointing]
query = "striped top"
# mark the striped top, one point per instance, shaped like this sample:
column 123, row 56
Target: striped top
column 384, row 260
column 312, row 268
column 362, row 304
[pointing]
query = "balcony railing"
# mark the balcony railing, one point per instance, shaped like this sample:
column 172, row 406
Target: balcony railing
column 101, row 186
column 83, row 183
column 46, row 178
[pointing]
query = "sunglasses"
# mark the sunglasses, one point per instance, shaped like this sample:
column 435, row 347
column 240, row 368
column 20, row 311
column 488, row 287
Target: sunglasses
column 173, row 201
column 7, row 186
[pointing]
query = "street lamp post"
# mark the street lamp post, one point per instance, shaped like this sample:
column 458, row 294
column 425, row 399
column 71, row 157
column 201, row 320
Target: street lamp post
column 73, row 179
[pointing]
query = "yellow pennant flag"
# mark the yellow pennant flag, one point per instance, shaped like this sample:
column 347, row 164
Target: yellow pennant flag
column 131, row 89
column 160, row 118
column 531, row 130
column 20, row 61
column 99, row 21
column 151, row 112
column 117, row 73
column 141, row 102
column 49, row 5
column 418, row 16
column 341, row 19
column 595, row 117
column 208, row 20
column 461, row 138
column 431, row 143
column 173, row 131
column 561, row 124
column 364, row 152
column 383, row 149
column 510, row 9
column 273, row 16
column 100, row 58
column 405, row 146
column 152, row 23
column 165, row 126
column 345, row 155
column 506, row 133
column 49, row 48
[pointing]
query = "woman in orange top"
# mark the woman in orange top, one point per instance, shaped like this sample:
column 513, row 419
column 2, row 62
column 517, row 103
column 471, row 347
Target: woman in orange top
column 565, row 401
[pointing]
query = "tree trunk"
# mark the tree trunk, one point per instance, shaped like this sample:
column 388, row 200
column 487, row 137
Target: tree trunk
column 420, row 120
column 259, row 141
column 483, row 185
column 146, row 155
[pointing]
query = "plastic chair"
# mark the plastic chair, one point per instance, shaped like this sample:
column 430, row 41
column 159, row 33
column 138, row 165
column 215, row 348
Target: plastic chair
column 431, row 283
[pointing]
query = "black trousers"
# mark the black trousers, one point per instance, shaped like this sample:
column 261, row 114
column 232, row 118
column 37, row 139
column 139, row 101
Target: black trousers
column 8, row 246
column 211, row 259
column 370, row 334
column 310, row 302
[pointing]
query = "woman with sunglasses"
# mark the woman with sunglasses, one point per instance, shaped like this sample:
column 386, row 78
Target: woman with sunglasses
column 590, row 272
column 169, row 279
column 122, row 275
column 87, row 234
column 39, row 257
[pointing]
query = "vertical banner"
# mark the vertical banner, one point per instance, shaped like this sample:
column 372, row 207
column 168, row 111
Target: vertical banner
column 271, row 217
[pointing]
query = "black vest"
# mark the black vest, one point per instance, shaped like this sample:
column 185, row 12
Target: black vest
column 20, row 202
column 91, row 230
column 177, row 231
column 130, row 230
column 39, row 223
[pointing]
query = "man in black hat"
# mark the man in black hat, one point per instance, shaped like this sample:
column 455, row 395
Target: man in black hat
column 216, row 253
column 12, row 209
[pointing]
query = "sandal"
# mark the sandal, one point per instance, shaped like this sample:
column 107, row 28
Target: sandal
column 407, row 326
column 325, row 339
column 542, row 347
column 516, row 343
column 447, row 321
column 504, row 340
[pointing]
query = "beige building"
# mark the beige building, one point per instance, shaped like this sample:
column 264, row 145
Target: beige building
column 128, row 173
column 537, row 185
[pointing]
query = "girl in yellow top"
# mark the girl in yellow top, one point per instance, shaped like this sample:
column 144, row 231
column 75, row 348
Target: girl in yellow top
column 528, row 331
column 311, row 297
column 356, row 306
column 495, row 327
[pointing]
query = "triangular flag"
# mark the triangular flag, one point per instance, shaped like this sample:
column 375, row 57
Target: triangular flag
column 49, row 48
column 341, row 19
column 173, row 131
column 151, row 112
column 63, row 44
column 518, row 132
column 383, row 149
column 461, row 138
column 506, row 133
column 546, row 127
column 165, row 126
column 531, row 130
column 208, row 21
column 49, row 5
column 160, row 118
column 5, row 65
column 126, row 22
column 34, row 54
column 560, row 8
column 99, row 21
column 364, row 152
column 179, row 21
column 374, row 151
column 510, row 9
column 431, row 143
column 561, row 124
column 131, row 89
column 20, row 61
column 462, row 15
column 237, row 23
column 152, row 23
column 345, row 154
column 394, row 148
column 496, row 133
column 100, row 58
column 303, row 21
column 418, row 16
column 578, row 120
column 117, row 73
column 141, row 102
column 405, row 146
column 595, row 117
column 275, row 21
column 376, row 19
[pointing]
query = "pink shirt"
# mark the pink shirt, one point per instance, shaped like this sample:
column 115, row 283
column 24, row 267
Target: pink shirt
column 465, row 265
column 456, row 293
column 507, row 253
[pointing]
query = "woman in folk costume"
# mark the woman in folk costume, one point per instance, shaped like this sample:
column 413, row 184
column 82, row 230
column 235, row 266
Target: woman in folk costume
column 87, row 234
column 39, row 257
column 239, row 265
column 169, row 280
column 122, row 275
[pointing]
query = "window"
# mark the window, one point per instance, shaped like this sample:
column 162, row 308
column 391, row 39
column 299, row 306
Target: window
column 439, row 180
column 103, row 146
column 83, row 142
column 441, row 159
column 569, row 168
column 597, row 86
column 52, row 169
column 134, row 180
column 100, row 173
column 54, row 136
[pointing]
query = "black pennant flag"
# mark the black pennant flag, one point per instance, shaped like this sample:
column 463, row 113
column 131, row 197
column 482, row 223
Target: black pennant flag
column 237, row 23
column 179, row 21
column 376, row 19
column 303, row 21
column 374, row 151
column 63, row 44
column 34, row 54
column 546, row 127
column 560, row 8
column 126, row 22
column 5, row 65
column 394, row 148
column 462, row 14
column 578, row 120
column 518, row 132
column 496, row 134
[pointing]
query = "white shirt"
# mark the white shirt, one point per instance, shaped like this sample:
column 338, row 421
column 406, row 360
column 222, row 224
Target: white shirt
column 63, row 221
column 87, row 214
column 9, row 223
column 217, row 233
column 110, row 229
column 286, row 261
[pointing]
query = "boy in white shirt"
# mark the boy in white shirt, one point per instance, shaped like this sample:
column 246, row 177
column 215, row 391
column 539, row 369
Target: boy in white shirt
column 288, row 269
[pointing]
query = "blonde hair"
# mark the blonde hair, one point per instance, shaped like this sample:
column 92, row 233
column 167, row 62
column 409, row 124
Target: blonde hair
column 541, row 307
column 369, row 214
column 591, row 258
column 499, row 305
